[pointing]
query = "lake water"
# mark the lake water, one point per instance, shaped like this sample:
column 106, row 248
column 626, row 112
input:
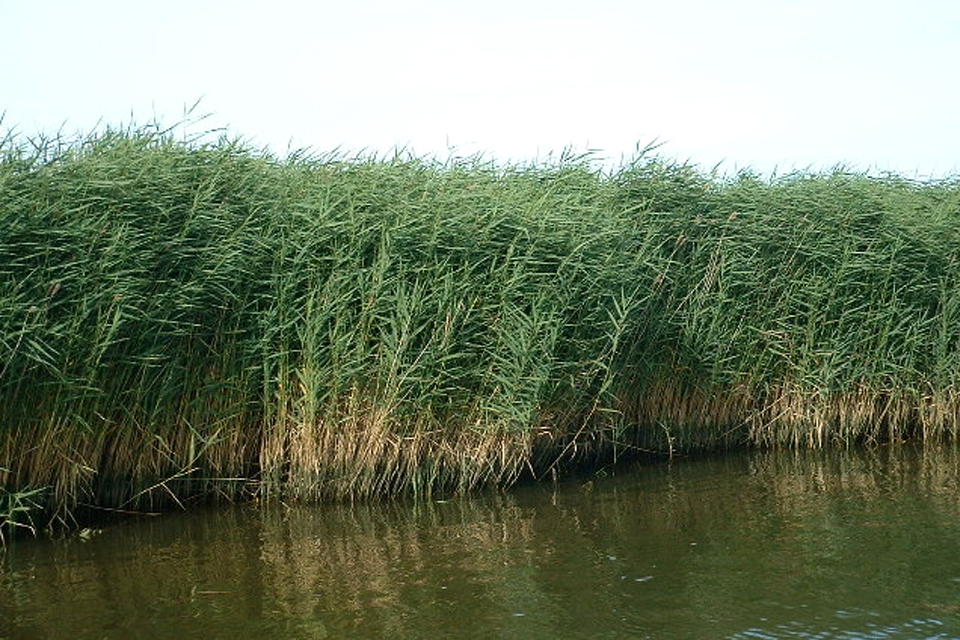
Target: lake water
column 840, row 544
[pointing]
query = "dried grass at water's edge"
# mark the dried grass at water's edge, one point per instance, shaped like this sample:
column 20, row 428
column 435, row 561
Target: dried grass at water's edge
column 369, row 454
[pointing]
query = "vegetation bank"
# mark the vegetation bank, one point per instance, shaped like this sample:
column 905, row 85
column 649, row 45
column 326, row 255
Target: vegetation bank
column 201, row 318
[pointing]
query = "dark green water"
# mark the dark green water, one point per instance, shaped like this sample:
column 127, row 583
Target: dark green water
column 862, row 544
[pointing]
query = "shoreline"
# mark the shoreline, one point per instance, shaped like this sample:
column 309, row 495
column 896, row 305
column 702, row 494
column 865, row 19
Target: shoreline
column 205, row 319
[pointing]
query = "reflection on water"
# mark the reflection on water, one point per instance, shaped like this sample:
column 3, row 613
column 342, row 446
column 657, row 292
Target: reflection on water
column 856, row 544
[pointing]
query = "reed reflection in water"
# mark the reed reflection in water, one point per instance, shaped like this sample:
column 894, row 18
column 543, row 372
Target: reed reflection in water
column 838, row 544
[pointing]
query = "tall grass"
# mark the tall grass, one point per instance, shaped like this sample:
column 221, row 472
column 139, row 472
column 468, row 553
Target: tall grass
column 194, row 318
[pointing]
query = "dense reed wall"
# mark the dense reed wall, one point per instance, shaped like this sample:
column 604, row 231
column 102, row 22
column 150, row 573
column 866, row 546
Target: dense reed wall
column 181, row 319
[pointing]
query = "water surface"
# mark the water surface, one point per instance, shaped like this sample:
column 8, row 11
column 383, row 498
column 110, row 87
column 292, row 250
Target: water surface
column 840, row 544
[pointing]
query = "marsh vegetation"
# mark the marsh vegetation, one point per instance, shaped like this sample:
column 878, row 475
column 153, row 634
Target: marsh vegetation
column 201, row 318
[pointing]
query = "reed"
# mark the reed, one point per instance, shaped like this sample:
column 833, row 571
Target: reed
column 196, row 318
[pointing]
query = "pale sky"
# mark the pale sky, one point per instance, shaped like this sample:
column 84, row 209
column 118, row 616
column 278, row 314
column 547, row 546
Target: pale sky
column 871, row 84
